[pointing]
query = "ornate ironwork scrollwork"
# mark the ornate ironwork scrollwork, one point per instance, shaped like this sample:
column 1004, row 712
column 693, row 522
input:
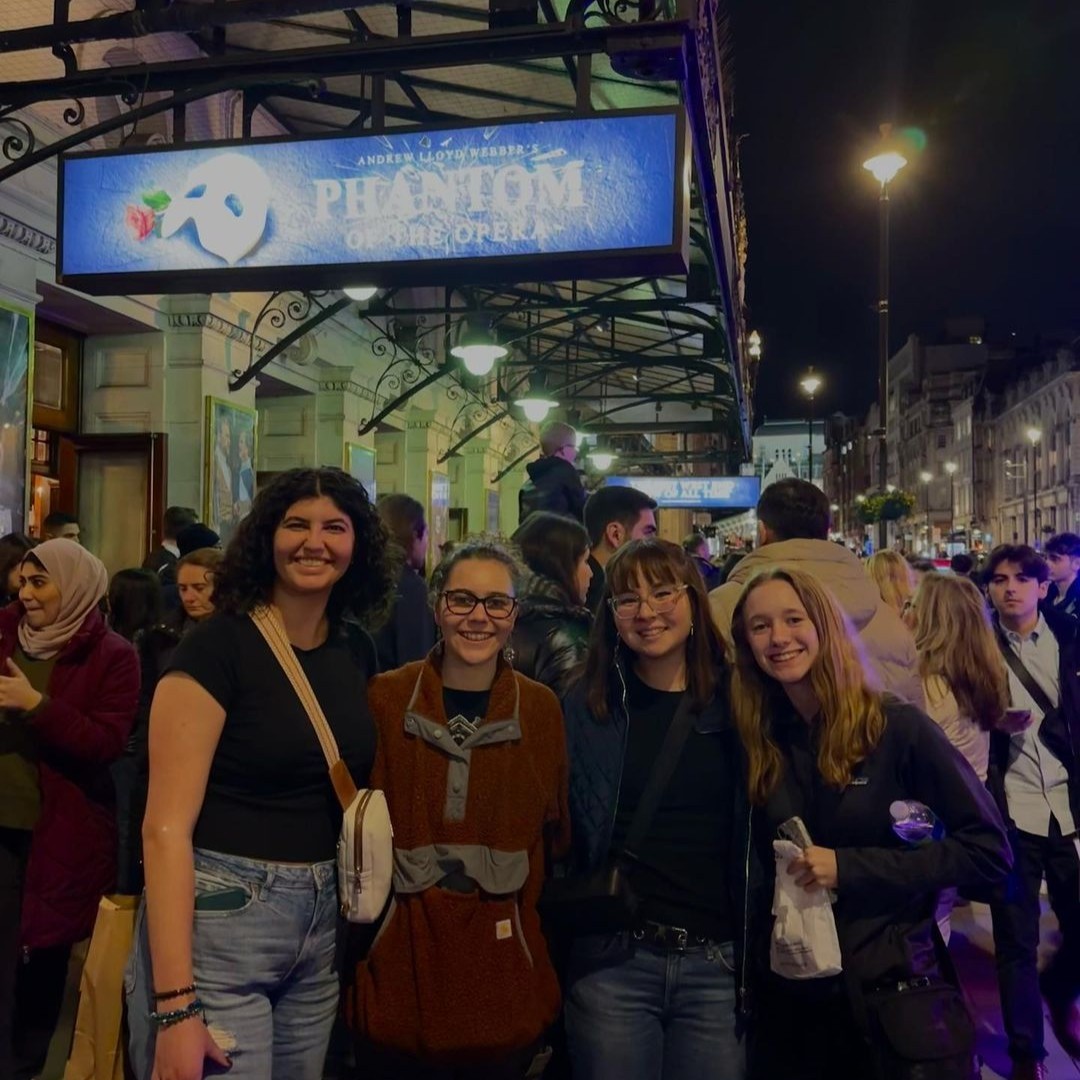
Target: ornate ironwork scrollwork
column 75, row 113
column 18, row 145
column 278, row 313
column 614, row 12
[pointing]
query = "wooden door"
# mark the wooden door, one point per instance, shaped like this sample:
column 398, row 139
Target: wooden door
column 115, row 486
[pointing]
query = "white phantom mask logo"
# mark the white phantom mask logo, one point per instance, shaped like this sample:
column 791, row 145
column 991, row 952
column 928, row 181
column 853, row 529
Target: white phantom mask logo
column 228, row 198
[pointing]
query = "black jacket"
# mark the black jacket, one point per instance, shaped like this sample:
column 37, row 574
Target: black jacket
column 163, row 563
column 596, row 752
column 1070, row 605
column 887, row 890
column 1059, row 732
column 553, row 485
column 550, row 636
column 595, row 596
column 409, row 632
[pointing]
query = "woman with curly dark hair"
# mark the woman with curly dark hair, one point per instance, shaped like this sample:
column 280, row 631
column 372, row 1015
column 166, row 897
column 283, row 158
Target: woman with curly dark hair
column 242, row 822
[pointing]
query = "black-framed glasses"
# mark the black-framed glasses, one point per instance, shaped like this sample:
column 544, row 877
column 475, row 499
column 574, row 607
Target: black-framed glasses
column 463, row 602
column 627, row 605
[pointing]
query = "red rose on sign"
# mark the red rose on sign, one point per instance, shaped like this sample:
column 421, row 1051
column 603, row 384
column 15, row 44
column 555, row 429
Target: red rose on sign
column 140, row 220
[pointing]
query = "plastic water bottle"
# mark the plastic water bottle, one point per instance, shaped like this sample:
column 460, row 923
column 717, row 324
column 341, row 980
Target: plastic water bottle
column 914, row 822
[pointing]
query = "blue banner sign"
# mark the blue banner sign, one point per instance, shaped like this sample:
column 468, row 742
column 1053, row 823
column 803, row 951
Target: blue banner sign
column 695, row 492
column 502, row 202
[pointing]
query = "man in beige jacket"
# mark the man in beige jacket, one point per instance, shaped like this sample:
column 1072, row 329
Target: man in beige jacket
column 793, row 530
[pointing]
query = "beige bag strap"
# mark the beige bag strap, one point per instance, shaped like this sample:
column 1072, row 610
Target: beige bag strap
column 267, row 620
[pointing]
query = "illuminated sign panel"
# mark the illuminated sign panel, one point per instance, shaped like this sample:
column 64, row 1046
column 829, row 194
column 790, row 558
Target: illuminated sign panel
column 695, row 492
column 501, row 202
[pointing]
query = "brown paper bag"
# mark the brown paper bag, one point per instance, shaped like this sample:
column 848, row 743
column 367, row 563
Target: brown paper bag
column 97, row 1052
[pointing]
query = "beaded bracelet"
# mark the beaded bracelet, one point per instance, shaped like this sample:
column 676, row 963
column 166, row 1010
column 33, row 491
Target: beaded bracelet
column 162, row 1020
column 167, row 995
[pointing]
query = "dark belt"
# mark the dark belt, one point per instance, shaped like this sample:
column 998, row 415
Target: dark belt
column 662, row 936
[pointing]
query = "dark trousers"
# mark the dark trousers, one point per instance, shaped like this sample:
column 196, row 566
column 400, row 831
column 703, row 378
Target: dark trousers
column 39, row 996
column 14, row 849
column 806, row 1035
column 1016, row 936
column 375, row 1064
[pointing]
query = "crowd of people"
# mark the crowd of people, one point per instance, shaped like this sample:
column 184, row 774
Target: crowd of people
column 588, row 742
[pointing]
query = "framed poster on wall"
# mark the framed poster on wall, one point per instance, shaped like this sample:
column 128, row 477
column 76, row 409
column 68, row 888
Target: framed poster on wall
column 360, row 465
column 229, row 453
column 16, row 342
column 439, row 517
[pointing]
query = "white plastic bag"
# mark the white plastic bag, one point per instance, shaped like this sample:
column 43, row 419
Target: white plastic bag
column 804, row 943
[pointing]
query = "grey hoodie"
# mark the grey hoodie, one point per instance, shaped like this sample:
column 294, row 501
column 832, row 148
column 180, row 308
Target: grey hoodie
column 886, row 641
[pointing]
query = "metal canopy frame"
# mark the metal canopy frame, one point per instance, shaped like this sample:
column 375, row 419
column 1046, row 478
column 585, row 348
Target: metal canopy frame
column 369, row 65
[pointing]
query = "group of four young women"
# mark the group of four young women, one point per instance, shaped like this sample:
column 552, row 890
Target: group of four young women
column 493, row 785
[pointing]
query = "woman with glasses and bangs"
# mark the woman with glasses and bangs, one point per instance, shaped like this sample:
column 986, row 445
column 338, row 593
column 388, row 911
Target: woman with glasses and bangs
column 655, row 804
column 472, row 758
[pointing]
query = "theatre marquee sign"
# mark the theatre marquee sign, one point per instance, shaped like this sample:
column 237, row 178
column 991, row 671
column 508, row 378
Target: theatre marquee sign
column 529, row 200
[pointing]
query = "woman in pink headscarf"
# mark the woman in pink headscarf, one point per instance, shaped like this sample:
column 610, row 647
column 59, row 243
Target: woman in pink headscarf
column 69, row 689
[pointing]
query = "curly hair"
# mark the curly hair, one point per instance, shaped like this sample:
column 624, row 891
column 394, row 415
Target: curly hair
column 366, row 590
column 480, row 546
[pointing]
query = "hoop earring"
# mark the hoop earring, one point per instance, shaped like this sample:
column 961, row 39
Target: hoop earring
column 509, row 654
column 691, row 628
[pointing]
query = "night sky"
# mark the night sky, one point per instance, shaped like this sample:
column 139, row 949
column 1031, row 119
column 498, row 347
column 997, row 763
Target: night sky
column 985, row 222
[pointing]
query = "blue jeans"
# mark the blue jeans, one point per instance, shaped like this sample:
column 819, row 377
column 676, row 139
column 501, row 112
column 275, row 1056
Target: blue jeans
column 634, row 1012
column 265, row 969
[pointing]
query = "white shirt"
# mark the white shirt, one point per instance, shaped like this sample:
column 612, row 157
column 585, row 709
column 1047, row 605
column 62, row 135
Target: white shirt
column 1036, row 782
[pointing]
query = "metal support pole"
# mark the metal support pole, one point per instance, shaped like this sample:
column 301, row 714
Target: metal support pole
column 883, row 350
column 1033, row 535
column 952, row 510
column 810, row 443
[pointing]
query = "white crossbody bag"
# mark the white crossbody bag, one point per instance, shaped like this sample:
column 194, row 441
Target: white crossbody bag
column 365, row 852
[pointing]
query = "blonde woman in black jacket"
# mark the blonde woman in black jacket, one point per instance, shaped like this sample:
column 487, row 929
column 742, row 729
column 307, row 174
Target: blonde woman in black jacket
column 823, row 746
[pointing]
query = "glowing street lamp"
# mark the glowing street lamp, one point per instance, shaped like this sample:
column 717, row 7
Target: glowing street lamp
column 926, row 477
column 753, row 343
column 884, row 166
column 951, row 468
column 810, row 384
column 1034, row 435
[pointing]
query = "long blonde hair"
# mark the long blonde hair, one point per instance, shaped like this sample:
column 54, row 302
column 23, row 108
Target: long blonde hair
column 852, row 716
column 955, row 641
column 890, row 571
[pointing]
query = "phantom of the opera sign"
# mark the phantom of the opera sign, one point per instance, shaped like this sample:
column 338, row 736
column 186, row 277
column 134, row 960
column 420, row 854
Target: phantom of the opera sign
column 520, row 201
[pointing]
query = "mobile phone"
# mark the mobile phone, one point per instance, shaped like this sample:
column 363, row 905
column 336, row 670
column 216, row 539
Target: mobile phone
column 222, row 900
column 795, row 830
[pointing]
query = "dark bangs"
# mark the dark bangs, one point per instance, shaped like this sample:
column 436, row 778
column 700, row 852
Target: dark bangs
column 657, row 562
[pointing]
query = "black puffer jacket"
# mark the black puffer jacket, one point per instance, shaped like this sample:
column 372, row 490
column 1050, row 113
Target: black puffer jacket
column 553, row 485
column 551, row 634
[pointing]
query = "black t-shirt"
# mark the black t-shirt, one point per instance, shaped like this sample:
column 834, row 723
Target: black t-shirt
column 681, row 875
column 465, row 711
column 269, row 795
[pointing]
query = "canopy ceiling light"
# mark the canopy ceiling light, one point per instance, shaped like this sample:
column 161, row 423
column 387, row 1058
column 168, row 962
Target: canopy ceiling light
column 602, row 457
column 360, row 293
column 476, row 346
column 537, row 403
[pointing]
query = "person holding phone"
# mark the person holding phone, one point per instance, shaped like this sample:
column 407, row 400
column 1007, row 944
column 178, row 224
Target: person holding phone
column 823, row 745
column 1035, row 777
column 235, row 964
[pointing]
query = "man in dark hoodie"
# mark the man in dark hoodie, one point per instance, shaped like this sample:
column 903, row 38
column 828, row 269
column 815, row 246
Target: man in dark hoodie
column 554, row 484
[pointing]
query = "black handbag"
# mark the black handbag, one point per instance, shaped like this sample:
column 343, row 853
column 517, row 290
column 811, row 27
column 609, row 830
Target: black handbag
column 604, row 900
column 921, row 1030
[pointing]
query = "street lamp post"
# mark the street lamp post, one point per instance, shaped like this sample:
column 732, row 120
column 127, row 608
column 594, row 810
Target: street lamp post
column 926, row 477
column 810, row 384
column 951, row 468
column 883, row 166
column 1034, row 434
